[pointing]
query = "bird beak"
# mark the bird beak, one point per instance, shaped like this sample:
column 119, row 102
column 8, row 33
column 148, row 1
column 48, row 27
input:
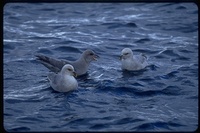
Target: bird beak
column 95, row 57
column 75, row 74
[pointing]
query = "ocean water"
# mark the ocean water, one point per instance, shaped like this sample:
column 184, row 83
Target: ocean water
column 162, row 97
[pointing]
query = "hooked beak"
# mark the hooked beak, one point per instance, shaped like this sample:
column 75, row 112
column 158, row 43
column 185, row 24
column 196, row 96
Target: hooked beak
column 95, row 57
column 75, row 74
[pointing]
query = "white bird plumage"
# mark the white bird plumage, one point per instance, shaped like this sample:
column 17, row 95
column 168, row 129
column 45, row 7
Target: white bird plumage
column 64, row 81
column 132, row 62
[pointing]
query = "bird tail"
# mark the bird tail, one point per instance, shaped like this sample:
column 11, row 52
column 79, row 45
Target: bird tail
column 44, row 58
column 144, row 55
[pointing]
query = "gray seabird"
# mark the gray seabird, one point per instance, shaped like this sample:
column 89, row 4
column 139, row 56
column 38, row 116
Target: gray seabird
column 80, row 65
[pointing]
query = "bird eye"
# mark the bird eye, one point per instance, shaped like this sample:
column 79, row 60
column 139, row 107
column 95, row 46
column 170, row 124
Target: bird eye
column 91, row 54
column 69, row 69
column 126, row 54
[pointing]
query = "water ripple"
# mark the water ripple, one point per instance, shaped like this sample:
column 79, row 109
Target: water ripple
column 162, row 97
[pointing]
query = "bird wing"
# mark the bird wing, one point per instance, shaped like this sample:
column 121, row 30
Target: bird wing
column 52, row 77
column 141, row 58
column 52, row 64
column 55, row 80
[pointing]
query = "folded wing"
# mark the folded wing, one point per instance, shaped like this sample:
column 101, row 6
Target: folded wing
column 55, row 65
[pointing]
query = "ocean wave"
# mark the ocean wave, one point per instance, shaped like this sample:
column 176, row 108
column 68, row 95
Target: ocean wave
column 162, row 97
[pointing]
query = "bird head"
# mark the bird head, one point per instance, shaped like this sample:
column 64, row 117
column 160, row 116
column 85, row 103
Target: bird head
column 126, row 53
column 90, row 55
column 68, row 70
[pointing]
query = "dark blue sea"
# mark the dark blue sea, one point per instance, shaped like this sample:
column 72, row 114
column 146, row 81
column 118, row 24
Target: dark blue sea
column 162, row 97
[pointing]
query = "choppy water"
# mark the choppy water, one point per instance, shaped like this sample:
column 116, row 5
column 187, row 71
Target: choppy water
column 163, row 97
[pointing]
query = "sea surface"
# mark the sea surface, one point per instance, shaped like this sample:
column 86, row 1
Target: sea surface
column 162, row 97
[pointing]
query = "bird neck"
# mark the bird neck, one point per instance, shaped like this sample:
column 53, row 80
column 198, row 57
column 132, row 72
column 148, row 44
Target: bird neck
column 84, row 60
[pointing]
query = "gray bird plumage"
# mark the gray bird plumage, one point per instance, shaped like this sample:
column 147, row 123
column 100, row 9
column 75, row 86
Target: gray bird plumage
column 80, row 65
